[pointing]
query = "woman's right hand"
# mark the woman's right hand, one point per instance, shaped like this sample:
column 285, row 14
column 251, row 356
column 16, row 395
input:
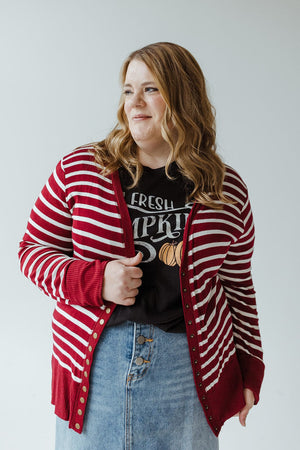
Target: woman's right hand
column 122, row 279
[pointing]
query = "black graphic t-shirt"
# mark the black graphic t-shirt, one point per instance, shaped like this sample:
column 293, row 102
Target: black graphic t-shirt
column 158, row 211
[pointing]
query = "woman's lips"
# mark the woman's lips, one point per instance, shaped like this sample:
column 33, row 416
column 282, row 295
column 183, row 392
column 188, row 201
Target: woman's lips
column 141, row 117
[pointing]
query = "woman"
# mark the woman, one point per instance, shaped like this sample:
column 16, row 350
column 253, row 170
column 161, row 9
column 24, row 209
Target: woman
column 145, row 240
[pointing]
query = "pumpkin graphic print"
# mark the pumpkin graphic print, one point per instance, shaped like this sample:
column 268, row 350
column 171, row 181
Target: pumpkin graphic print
column 170, row 253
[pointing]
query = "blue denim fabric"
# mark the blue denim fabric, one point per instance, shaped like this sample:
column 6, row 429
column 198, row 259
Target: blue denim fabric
column 142, row 395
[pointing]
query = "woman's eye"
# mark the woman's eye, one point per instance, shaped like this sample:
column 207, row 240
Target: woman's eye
column 148, row 89
column 151, row 89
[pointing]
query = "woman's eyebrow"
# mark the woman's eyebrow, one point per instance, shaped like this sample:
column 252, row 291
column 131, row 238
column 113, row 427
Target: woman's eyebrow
column 143, row 84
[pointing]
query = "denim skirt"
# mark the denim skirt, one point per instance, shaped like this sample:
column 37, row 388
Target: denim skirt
column 142, row 395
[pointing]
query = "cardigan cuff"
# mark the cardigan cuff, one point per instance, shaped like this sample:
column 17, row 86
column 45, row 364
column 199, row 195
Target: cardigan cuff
column 252, row 372
column 83, row 282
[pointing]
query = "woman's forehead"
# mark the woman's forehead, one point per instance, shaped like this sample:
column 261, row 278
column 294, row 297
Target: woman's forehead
column 138, row 70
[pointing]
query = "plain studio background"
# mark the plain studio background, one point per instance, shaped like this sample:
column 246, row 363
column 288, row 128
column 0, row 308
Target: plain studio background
column 59, row 89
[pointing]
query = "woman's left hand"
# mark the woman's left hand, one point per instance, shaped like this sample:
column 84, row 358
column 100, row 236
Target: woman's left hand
column 249, row 400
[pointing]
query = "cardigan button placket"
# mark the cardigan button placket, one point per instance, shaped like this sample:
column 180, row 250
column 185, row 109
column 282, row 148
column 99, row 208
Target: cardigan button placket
column 84, row 388
column 83, row 398
column 193, row 347
column 198, row 374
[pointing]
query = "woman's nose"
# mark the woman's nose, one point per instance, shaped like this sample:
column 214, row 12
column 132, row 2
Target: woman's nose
column 138, row 99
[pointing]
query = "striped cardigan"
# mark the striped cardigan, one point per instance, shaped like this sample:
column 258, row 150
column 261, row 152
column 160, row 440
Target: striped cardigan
column 80, row 221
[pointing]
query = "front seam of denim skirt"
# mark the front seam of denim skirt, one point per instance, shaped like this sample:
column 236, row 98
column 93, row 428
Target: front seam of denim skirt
column 142, row 395
column 141, row 359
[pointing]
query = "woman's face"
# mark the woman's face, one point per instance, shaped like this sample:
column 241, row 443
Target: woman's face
column 144, row 107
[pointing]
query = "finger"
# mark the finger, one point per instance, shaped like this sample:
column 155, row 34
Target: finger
column 134, row 261
column 243, row 415
column 249, row 402
column 134, row 283
column 249, row 397
column 128, row 301
column 134, row 272
column 128, row 293
column 132, row 293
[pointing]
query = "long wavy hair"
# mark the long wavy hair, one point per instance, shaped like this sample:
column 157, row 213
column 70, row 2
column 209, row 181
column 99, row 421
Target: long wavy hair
column 193, row 144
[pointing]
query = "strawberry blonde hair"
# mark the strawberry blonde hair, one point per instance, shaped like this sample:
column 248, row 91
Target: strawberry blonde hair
column 193, row 144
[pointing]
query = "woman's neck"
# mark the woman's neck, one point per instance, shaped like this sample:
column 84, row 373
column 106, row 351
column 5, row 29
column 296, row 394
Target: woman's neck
column 153, row 159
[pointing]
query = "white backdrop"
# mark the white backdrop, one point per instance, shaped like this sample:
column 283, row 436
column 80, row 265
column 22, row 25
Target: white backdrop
column 59, row 89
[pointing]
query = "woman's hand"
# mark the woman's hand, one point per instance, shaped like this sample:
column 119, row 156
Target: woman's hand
column 249, row 400
column 122, row 279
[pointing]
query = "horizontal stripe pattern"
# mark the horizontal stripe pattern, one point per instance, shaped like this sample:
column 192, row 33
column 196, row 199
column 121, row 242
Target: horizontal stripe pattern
column 76, row 223
column 220, row 278
column 75, row 217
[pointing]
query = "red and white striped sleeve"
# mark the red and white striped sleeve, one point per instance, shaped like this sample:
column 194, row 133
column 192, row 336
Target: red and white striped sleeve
column 236, row 278
column 46, row 252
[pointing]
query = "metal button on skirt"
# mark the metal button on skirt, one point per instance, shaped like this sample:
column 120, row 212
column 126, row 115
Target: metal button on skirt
column 142, row 395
